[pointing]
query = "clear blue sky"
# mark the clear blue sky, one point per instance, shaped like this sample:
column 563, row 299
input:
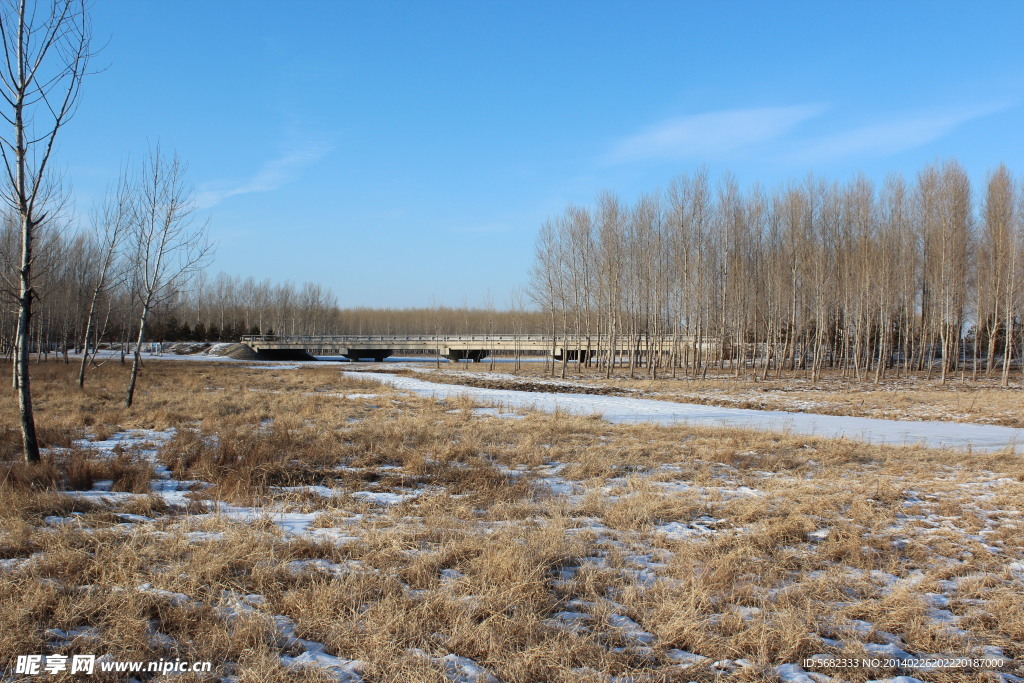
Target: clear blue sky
column 406, row 153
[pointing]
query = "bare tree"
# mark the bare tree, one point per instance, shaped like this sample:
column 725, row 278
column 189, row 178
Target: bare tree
column 544, row 277
column 110, row 223
column 996, row 251
column 166, row 246
column 810, row 276
column 46, row 54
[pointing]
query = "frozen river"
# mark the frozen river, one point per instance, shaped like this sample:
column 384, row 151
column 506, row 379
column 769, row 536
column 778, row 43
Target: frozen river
column 624, row 409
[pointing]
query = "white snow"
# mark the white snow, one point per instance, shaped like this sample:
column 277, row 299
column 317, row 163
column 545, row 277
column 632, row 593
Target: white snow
column 677, row 531
column 497, row 412
column 621, row 409
column 465, row 670
column 176, row 599
column 293, row 523
column 146, row 442
column 793, row 673
column 458, row 669
column 318, row 490
column 315, row 655
column 383, row 497
column 686, row 659
column 630, row 630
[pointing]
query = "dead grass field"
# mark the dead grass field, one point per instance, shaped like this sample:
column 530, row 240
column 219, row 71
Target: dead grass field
column 295, row 525
column 912, row 397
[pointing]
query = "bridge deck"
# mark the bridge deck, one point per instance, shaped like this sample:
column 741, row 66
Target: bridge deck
column 455, row 347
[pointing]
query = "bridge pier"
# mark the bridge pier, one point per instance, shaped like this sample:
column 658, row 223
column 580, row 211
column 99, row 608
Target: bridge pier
column 378, row 355
column 283, row 354
column 455, row 355
column 581, row 355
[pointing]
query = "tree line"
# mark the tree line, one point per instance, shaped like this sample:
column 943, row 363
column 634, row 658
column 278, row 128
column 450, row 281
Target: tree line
column 226, row 307
column 143, row 238
column 218, row 308
column 114, row 278
column 911, row 275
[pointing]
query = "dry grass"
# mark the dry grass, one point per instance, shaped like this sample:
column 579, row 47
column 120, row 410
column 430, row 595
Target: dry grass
column 545, row 548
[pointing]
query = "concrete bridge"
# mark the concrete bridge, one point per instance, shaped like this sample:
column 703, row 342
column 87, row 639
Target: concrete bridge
column 473, row 347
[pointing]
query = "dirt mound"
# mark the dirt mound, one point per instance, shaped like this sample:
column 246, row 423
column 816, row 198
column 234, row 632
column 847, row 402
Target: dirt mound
column 236, row 351
column 185, row 348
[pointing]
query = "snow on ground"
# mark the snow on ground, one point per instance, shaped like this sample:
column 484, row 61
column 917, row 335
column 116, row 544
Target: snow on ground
column 621, row 409
column 147, row 442
column 644, row 557
column 497, row 412
column 639, row 558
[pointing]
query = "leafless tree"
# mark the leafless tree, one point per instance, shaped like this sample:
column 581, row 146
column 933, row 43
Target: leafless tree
column 46, row 55
column 996, row 260
column 546, row 277
column 110, row 225
column 166, row 246
column 813, row 275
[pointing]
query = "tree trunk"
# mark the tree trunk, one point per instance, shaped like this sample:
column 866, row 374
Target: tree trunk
column 88, row 333
column 28, row 424
column 137, row 359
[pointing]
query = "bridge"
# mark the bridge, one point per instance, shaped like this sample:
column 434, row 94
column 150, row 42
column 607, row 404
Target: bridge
column 473, row 347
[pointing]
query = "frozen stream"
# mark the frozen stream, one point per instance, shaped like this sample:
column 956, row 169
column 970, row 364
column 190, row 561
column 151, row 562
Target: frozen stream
column 632, row 410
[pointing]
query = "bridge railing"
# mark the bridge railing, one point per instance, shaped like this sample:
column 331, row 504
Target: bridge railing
column 338, row 338
column 357, row 339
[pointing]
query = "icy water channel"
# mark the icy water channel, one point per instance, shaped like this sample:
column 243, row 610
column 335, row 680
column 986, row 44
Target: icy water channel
column 622, row 409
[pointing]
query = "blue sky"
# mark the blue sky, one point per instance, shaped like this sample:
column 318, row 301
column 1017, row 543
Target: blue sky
column 405, row 154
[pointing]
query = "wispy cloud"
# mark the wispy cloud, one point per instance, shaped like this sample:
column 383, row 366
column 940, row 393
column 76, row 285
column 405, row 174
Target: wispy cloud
column 710, row 135
column 896, row 135
column 273, row 175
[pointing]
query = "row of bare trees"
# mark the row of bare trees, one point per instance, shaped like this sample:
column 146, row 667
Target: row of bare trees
column 227, row 307
column 45, row 58
column 143, row 236
column 922, row 275
column 112, row 278
column 88, row 297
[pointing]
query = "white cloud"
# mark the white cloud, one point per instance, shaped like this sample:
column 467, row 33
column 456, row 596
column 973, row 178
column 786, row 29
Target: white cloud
column 711, row 134
column 273, row 175
column 895, row 135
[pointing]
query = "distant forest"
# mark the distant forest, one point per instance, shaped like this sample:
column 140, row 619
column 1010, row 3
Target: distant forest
column 214, row 309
